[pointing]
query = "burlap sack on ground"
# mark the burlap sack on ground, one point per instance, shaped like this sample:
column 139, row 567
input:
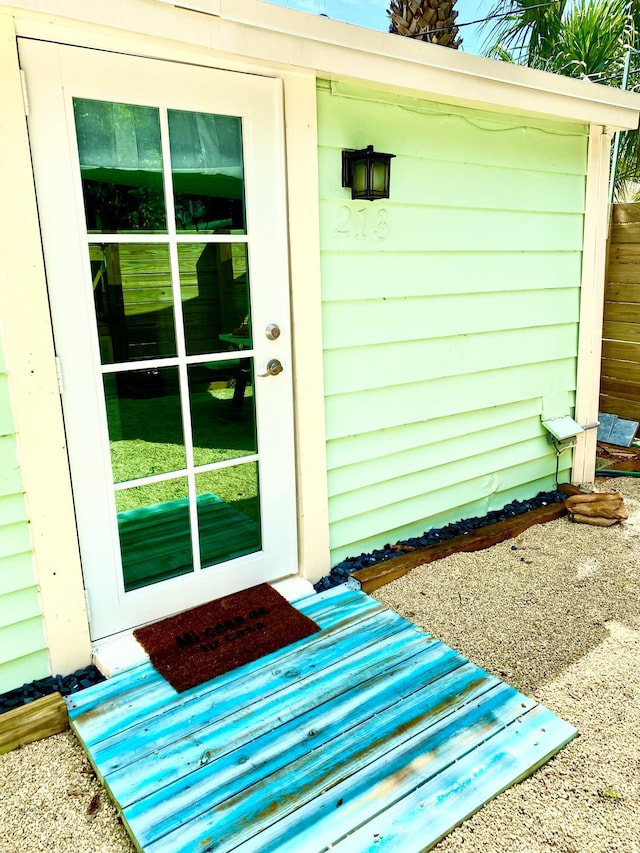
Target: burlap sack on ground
column 599, row 508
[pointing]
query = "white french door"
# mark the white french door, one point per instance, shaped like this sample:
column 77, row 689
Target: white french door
column 161, row 197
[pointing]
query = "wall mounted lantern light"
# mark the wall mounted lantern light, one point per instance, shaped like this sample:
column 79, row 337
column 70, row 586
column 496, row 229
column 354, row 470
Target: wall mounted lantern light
column 367, row 173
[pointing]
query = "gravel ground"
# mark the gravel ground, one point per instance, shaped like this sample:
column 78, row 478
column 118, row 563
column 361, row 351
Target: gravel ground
column 559, row 618
column 51, row 802
column 555, row 612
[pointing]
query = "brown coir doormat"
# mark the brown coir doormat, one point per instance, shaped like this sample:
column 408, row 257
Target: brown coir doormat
column 211, row 639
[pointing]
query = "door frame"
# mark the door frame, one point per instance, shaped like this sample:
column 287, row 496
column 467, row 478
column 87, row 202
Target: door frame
column 48, row 98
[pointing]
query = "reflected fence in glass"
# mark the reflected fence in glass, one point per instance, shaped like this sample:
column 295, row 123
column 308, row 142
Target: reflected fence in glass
column 214, row 290
column 133, row 301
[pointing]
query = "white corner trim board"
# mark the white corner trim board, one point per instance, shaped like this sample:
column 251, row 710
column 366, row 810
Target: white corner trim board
column 34, row 384
column 594, row 252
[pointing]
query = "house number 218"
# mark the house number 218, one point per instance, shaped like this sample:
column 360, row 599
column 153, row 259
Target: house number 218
column 362, row 223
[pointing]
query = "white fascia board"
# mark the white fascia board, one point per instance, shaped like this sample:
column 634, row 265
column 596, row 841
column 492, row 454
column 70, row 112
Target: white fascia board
column 478, row 77
column 287, row 39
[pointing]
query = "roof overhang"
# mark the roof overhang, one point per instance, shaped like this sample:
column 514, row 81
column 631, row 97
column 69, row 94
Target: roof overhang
column 285, row 39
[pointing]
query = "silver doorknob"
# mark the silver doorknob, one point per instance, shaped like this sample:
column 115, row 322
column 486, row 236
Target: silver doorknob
column 272, row 332
column 274, row 367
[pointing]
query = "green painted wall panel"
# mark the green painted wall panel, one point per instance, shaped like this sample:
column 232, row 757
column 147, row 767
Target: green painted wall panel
column 14, row 539
column 485, row 187
column 450, row 501
column 442, row 514
column 23, row 653
column 400, row 468
column 16, row 572
column 19, row 606
column 365, row 447
column 12, row 509
column 371, row 322
column 377, row 366
column 451, row 134
column 349, row 414
column 406, row 228
column 477, row 116
column 439, row 475
column 10, row 477
column 23, row 670
column 450, row 311
column 18, row 639
column 348, row 275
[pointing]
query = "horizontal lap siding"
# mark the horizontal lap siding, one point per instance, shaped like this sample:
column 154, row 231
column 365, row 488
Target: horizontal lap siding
column 23, row 656
column 450, row 312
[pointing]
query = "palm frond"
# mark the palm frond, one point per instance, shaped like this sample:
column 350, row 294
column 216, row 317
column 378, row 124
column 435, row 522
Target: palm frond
column 526, row 26
column 498, row 51
column 584, row 39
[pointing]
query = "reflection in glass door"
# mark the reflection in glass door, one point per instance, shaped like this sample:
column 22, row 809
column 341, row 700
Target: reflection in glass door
column 168, row 247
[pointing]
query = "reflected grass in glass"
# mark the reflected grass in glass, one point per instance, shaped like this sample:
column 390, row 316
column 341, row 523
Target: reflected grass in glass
column 222, row 411
column 145, row 432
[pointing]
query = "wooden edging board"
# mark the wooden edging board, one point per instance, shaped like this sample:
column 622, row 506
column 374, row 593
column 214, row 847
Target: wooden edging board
column 373, row 577
column 33, row 721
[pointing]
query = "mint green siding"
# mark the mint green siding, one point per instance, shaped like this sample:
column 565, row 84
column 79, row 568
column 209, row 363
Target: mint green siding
column 23, row 655
column 450, row 312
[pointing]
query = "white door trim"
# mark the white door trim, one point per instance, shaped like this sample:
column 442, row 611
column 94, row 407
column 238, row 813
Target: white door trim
column 37, row 411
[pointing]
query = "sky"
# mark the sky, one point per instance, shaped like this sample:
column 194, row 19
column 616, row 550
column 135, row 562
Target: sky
column 372, row 14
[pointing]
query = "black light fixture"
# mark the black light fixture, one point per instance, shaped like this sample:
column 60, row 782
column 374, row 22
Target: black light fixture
column 367, row 173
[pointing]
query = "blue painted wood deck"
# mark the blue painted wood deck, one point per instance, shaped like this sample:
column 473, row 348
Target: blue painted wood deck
column 368, row 736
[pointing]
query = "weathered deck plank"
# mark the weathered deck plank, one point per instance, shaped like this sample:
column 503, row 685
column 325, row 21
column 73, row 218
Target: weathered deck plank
column 282, row 755
column 184, row 746
column 337, row 740
column 422, row 818
column 373, row 797
column 240, row 694
column 140, row 693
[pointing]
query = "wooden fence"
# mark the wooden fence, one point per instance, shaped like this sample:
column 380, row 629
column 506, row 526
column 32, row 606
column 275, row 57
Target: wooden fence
column 620, row 373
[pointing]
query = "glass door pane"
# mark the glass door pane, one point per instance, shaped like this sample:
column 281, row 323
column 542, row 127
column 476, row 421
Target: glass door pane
column 145, row 423
column 154, row 526
column 223, row 414
column 207, row 172
column 133, row 301
column 228, row 513
column 170, row 281
column 214, row 291
column 121, row 167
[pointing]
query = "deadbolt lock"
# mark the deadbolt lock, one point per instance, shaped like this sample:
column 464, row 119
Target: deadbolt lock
column 272, row 332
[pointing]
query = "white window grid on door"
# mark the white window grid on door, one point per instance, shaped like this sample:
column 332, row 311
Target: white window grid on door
column 172, row 239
